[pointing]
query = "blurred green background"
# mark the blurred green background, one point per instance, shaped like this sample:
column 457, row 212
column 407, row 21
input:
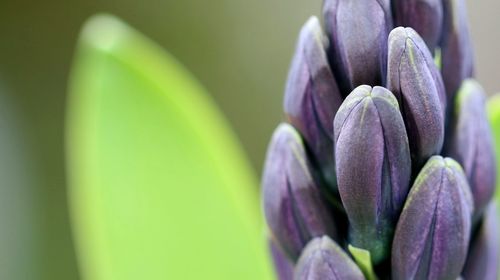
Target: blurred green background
column 240, row 50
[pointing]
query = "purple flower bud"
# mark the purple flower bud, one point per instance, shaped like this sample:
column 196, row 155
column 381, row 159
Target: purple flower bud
column 433, row 231
column 415, row 81
column 322, row 259
column 425, row 16
column 358, row 30
column 282, row 264
column 293, row 205
column 373, row 166
column 471, row 143
column 457, row 54
column 312, row 97
column 483, row 259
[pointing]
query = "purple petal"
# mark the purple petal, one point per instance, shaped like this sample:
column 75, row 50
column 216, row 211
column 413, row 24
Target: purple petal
column 312, row 97
column 322, row 259
column 425, row 16
column 358, row 31
column 282, row 264
column 433, row 232
column 457, row 54
column 471, row 143
column 484, row 258
column 373, row 166
column 293, row 205
column 415, row 81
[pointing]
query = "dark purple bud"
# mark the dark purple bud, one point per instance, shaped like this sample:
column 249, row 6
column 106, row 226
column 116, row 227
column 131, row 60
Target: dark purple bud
column 433, row 231
column 415, row 81
column 358, row 31
column 282, row 264
column 373, row 166
column 471, row 143
column 293, row 205
column 457, row 55
column 425, row 16
column 322, row 259
column 483, row 259
column 312, row 97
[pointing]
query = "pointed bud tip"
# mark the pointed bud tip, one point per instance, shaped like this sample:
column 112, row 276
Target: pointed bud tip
column 323, row 259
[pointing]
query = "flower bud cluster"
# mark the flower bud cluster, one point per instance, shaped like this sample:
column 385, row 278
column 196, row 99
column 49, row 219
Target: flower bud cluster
column 386, row 149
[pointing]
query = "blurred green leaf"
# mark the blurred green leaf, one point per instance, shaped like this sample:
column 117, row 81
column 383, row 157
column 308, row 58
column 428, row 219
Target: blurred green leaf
column 493, row 109
column 159, row 188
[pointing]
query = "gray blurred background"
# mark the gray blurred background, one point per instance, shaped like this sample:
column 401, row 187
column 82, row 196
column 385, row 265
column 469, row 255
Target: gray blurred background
column 240, row 50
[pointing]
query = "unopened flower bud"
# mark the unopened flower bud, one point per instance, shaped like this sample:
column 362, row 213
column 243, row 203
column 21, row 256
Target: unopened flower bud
column 358, row 30
column 471, row 143
column 312, row 98
column 373, row 166
column 293, row 205
column 433, row 231
column 425, row 16
column 322, row 259
column 415, row 81
column 456, row 46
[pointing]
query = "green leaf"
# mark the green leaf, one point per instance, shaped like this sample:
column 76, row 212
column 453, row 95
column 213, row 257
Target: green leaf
column 493, row 109
column 363, row 259
column 159, row 188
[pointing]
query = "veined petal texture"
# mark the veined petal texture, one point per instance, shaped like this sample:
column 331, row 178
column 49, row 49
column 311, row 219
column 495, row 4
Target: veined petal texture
column 293, row 204
column 312, row 97
column 433, row 231
column 373, row 166
column 358, row 30
column 415, row 81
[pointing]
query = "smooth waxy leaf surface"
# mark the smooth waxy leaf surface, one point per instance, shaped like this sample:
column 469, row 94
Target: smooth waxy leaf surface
column 158, row 186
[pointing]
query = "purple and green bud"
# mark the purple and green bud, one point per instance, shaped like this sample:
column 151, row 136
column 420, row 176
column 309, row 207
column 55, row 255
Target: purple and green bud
column 373, row 166
column 471, row 143
column 424, row 16
column 372, row 113
column 323, row 259
column 483, row 259
column 312, row 98
column 414, row 79
column 456, row 46
column 433, row 231
column 358, row 30
column 293, row 203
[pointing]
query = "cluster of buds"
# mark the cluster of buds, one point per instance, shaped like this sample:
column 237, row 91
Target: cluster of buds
column 385, row 168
